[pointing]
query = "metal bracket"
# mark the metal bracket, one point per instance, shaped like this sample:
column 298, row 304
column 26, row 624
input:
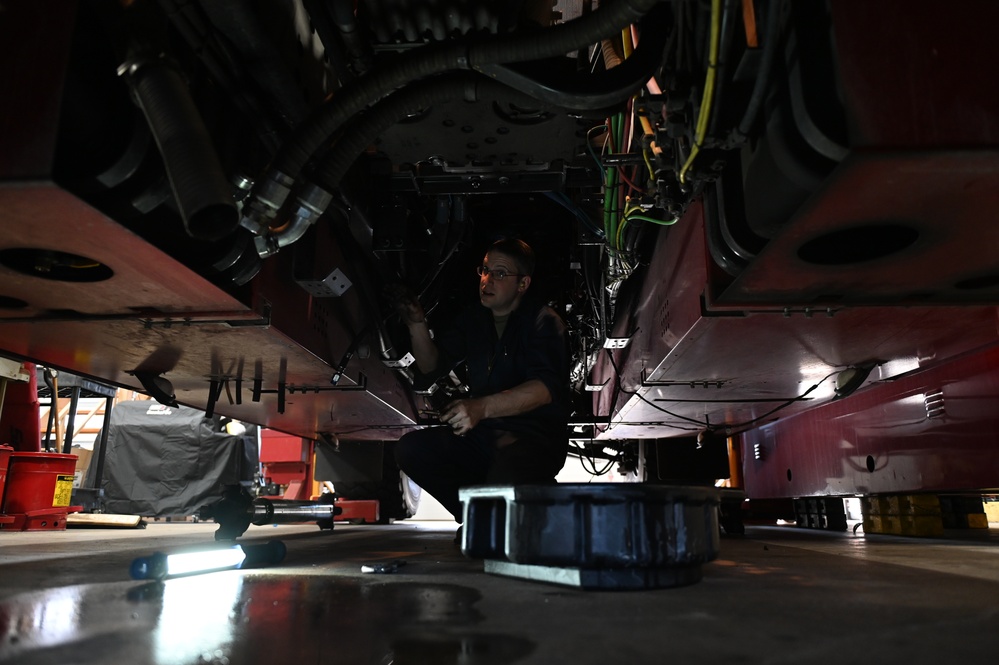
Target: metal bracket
column 400, row 363
column 333, row 285
column 247, row 319
column 362, row 384
column 646, row 382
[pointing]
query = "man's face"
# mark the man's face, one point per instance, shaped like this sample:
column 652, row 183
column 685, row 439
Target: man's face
column 501, row 295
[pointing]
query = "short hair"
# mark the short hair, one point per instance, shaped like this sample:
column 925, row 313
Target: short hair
column 519, row 251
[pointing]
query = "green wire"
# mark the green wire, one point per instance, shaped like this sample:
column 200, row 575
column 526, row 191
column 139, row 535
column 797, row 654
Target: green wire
column 614, row 212
column 652, row 220
column 617, row 128
column 620, row 231
column 608, row 176
column 603, row 171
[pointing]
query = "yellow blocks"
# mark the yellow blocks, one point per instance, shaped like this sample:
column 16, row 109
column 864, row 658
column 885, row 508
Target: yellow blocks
column 992, row 510
column 963, row 512
column 923, row 515
column 903, row 515
column 978, row 521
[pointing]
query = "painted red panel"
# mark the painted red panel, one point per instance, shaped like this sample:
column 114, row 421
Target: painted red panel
column 883, row 440
column 948, row 198
column 911, row 71
column 34, row 45
column 692, row 363
column 279, row 447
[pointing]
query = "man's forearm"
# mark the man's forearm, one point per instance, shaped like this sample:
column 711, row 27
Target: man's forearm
column 464, row 414
column 424, row 349
column 515, row 401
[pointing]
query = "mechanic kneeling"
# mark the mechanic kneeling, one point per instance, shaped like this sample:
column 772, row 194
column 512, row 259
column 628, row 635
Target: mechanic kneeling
column 511, row 429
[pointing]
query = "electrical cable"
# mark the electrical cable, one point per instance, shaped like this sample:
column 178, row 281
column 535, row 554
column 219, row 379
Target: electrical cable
column 653, row 220
column 648, row 164
column 365, row 128
column 435, row 59
column 591, row 457
column 704, row 114
column 592, row 470
column 646, row 125
column 652, row 86
column 582, row 451
column 724, row 56
column 771, row 39
column 620, row 231
column 628, row 180
column 626, row 45
column 608, row 184
column 785, row 404
column 566, row 202
column 705, row 423
column 589, row 148
column 597, row 90
column 734, row 426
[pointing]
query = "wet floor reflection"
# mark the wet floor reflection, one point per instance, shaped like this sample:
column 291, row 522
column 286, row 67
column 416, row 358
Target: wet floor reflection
column 235, row 617
column 470, row 649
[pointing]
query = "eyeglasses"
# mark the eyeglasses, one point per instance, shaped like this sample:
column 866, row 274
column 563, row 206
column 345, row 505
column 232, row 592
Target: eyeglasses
column 499, row 274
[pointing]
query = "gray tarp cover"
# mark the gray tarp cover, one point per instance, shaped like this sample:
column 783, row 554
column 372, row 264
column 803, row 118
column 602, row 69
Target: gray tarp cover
column 166, row 461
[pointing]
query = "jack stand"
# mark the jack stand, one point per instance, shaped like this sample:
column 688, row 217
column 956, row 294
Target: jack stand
column 593, row 536
column 237, row 510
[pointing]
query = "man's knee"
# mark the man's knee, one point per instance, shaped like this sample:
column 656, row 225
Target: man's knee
column 526, row 461
column 406, row 450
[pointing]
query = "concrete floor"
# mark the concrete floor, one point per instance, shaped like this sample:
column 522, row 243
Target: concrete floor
column 776, row 595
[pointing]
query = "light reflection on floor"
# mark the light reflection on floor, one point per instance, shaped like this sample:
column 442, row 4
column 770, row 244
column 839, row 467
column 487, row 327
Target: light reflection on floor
column 238, row 617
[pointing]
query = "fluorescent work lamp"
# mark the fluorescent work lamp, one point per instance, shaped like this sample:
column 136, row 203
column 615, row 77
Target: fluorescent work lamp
column 160, row 566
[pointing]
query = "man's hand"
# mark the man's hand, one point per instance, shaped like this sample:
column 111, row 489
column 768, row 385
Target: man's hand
column 463, row 414
column 405, row 303
column 407, row 306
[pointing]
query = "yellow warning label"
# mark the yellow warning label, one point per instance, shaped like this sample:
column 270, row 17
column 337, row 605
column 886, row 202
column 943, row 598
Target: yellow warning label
column 63, row 491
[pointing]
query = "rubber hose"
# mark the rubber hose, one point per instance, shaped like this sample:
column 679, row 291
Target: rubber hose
column 436, row 59
column 611, row 58
column 591, row 92
column 358, row 50
column 196, row 32
column 203, row 195
column 558, row 40
column 244, row 29
column 360, row 133
column 766, row 64
column 330, row 37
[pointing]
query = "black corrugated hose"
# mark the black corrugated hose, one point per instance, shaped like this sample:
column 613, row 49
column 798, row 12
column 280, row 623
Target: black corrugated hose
column 368, row 126
column 436, row 59
column 203, row 195
column 599, row 92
